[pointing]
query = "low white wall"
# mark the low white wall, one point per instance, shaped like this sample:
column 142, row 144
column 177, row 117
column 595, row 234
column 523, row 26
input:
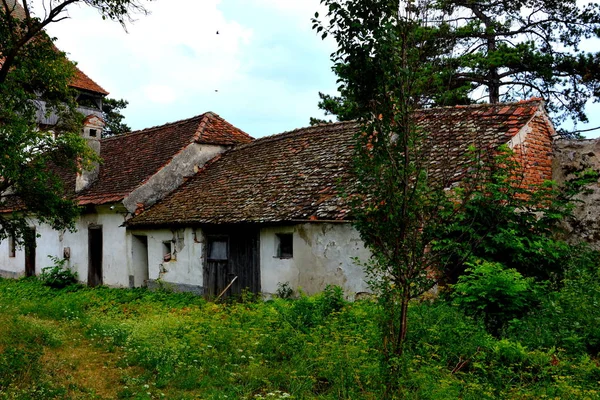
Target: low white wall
column 115, row 270
column 323, row 255
column 185, row 266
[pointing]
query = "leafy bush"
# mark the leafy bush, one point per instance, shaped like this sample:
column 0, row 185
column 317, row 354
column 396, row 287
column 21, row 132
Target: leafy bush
column 493, row 292
column 570, row 316
column 58, row 276
column 284, row 290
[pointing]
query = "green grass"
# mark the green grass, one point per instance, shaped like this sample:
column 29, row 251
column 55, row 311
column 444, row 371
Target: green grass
column 138, row 344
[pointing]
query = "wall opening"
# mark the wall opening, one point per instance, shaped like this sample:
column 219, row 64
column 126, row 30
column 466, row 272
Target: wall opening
column 167, row 250
column 285, row 245
column 29, row 239
column 95, row 255
column 139, row 256
column 12, row 246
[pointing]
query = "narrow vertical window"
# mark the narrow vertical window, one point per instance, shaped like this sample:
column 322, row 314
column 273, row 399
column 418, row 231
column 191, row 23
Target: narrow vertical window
column 285, row 247
column 167, row 250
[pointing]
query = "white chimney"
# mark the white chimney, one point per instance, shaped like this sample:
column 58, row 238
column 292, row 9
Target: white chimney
column 92, row 133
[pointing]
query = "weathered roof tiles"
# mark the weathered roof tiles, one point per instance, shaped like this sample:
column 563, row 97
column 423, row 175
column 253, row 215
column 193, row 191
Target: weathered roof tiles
column 297, row 175
column 130, row 159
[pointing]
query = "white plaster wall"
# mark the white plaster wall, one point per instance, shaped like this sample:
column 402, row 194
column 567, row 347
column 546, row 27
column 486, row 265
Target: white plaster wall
column 185, row 266
column 52, row 243
column 323, row 255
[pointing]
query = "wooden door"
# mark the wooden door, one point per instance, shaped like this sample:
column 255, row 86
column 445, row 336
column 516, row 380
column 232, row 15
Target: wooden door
column 95, row 255
column 217, row 274
column 230, row 255
column 30, row 245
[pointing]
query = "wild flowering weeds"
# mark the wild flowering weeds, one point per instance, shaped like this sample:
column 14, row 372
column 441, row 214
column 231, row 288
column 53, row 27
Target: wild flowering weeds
column 317, row 347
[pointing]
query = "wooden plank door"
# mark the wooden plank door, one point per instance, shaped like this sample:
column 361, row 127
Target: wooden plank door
column 216, row 271
column 230, row 255
column 30, row 245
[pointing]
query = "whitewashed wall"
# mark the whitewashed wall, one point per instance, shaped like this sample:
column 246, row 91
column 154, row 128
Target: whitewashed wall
column 184, row 270
column 323, row 255
column 53, row 243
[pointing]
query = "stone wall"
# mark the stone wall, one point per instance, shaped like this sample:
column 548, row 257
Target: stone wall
column 572, row 157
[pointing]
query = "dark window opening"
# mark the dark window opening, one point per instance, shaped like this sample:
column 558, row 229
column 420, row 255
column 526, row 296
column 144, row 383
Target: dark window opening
column 285, row 247
column 167, row 250
column 217, row 249
column 12, row 246
column 93, row 132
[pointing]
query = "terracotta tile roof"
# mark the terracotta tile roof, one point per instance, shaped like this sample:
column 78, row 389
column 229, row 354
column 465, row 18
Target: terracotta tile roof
column 83, row 82
column 296, row 175
column 130, row 159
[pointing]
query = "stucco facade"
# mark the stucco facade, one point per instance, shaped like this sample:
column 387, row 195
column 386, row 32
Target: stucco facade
column 73, row 246
column 323, row 254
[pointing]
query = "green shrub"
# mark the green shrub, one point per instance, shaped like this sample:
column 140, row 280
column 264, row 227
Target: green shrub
column 494, row 293
column 58, row 276
column 569, row 317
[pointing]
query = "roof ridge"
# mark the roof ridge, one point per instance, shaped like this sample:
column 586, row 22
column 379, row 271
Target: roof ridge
column 478, row 105
column 292, row 133
column 214, row 115
column 157, row 127
column 206, row 117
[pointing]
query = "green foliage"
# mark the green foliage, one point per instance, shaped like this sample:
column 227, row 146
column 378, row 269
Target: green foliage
column 34, row 83
column 169, row 345
column 284, row 290
column 111, row 109
column 500, row 220
column 511, row 50
column 493, row 292
column 58, row 276
column 568, row 317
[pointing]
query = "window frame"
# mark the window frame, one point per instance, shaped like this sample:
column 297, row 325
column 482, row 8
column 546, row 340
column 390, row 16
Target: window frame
column 287, row 239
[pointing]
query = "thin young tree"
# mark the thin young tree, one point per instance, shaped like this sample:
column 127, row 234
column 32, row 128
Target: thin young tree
column 389, row 65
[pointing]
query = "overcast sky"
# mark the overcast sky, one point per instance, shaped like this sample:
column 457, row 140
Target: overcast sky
column 262, row 71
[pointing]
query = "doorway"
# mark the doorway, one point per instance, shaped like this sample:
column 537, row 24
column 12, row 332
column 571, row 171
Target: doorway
column 95, row 255
column 29, row 239
column 231, row 253
column 139, row 256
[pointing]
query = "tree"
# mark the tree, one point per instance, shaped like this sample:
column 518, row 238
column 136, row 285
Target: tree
column 525, row 48
column 111, row 109
column 388, row 66
column 507, row 50
column 34, row 82
column 393, row 59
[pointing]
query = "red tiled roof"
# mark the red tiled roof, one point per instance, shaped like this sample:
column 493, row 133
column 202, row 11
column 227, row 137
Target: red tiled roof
column 295, row 175
column 83, row 82
column 131, row 159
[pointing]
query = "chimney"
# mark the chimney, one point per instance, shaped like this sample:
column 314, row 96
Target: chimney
column 92, row 133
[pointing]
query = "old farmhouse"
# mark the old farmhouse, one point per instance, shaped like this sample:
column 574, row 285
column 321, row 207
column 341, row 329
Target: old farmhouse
column 256, row 212
column 138, row 169
column 270, row 212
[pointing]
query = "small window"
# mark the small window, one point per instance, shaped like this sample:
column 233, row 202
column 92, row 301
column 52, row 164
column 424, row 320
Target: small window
column 167, row 250
column 285, row 247
column 217, row 249
column 12, row 246
column 93, row 132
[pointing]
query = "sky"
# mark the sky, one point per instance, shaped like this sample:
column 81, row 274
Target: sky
column 262, row 72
